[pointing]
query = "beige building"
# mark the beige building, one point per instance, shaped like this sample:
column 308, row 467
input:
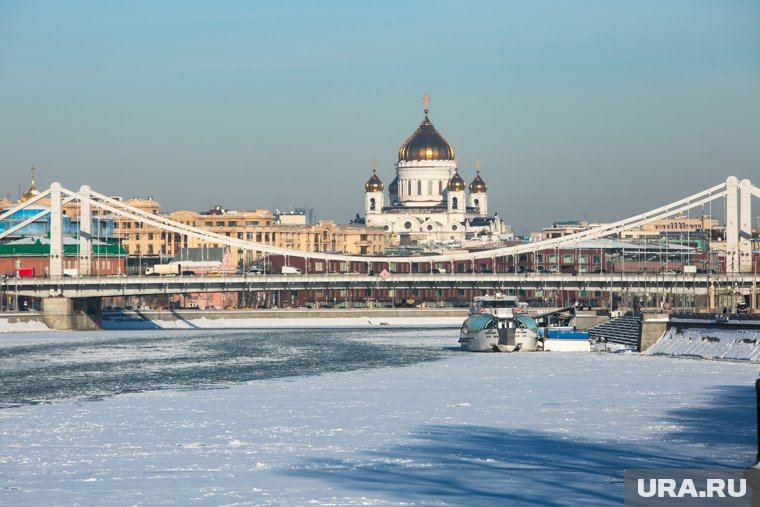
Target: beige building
column 560, row 229
column 680, row 223
column 259, row 226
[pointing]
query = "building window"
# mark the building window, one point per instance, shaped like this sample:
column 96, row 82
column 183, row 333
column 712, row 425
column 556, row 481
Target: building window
column 539, row 258
column 409, row 185
column 372, row 204
column 407, row 225
column 419, row 187
column 454, row 203
column 567, row 258
column 477, row 203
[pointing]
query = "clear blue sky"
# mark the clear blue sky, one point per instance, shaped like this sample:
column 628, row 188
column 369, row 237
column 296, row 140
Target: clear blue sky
column 576, row 108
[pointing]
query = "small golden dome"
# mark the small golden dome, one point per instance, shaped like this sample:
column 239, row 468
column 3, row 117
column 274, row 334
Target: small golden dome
column 373, row 183
column 478, row 186
column 456, row 183
column 32, row 189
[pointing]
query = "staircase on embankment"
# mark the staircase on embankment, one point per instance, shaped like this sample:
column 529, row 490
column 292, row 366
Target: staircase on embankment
column 623, row 330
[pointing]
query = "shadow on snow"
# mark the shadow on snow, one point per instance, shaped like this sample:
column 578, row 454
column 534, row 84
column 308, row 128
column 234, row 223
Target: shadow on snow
column 477, row 465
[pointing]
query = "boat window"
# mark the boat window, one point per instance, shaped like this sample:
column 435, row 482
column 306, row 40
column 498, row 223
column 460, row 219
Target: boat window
column 477, row 323
column 523, row 321
column 502, row 303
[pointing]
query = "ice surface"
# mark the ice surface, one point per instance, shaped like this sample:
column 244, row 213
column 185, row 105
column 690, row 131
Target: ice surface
column 465, row 429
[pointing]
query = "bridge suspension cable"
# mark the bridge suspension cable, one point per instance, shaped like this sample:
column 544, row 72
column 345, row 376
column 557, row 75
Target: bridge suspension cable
column 120, row 208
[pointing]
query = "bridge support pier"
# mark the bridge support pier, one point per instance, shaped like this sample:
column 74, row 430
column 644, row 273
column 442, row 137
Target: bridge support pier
column 66, row 314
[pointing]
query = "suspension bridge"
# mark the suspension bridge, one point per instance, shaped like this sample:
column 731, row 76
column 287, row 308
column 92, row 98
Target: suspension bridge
column 62, row 293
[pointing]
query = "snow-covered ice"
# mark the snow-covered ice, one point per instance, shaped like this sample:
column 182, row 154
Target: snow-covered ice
column 463, row 429
column 712, row 343
column 17, row 325
column 127, row 321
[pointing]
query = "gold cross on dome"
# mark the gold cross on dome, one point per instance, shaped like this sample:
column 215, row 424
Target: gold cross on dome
column 426, row 100
column 477, row 165
column 374, row 165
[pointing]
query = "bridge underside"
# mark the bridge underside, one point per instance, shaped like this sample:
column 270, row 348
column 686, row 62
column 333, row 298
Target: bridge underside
column 65, row 314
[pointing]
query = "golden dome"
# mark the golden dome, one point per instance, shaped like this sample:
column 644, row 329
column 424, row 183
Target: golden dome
column 456, row 183
column 32, row 189
column 425, row 144
column 373, row 183
column 478, row 186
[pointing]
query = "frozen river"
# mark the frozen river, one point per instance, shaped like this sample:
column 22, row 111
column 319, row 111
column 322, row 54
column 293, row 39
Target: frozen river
column 105, row 365
column 340, row 417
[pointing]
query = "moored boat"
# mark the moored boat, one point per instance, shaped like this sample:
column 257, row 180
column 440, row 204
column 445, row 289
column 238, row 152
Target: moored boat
column 500, row 323
column 484, row 332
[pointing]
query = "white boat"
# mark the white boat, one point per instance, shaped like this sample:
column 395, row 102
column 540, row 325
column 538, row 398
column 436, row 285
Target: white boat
column 485, row 332
column 500, row 323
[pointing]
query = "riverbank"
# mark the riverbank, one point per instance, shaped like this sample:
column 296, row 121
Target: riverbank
column 226, row 319
column 231, row 319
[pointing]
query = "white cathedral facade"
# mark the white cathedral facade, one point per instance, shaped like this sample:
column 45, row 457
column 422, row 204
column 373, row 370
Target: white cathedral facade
column 428, row 201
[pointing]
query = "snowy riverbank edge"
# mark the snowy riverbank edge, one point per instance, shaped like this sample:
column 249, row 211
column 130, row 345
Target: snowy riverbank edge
column 35, row 324
column 710, row 343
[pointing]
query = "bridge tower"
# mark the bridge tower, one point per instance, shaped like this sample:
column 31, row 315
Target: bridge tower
column 85, row 232
column 56, row 231
column 738, row 225
column 745, row 226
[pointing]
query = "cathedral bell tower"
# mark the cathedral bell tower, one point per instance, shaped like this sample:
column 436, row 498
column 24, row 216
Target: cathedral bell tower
column 478, row 192
column 373, row 193
column 455, row 195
